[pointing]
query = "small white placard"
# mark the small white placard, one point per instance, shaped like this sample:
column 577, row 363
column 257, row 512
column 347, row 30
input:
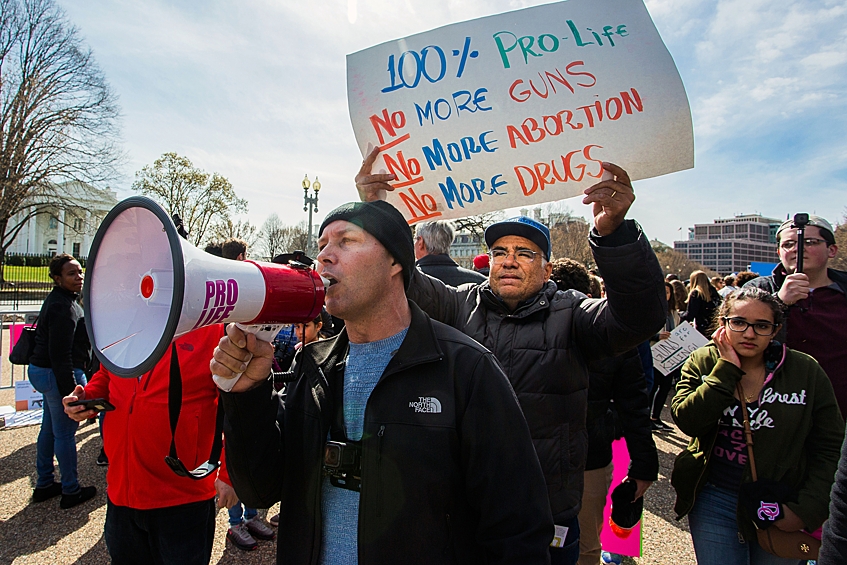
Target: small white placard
column 671, row 353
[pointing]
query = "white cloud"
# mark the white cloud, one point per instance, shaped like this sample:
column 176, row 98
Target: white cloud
column 352, row 11
column 759, row 60
column 825, row 59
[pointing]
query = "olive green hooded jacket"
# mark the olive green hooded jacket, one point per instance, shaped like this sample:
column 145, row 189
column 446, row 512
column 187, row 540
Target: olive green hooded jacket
column 797, row 431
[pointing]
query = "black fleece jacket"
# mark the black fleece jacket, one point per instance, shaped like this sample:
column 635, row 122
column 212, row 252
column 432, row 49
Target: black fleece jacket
column 454, row 481
column 61, row 340
column 702, row 311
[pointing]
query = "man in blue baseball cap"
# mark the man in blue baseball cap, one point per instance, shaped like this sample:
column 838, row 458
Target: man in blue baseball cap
column 514, row 245
column 543, row 338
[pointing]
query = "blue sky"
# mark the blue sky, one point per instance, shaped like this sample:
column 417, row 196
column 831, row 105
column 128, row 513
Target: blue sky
column 256, row 90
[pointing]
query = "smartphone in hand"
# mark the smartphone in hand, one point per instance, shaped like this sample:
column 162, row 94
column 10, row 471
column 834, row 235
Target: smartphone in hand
column 98, row 404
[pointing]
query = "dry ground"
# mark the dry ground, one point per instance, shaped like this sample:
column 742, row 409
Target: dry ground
column 41, row 534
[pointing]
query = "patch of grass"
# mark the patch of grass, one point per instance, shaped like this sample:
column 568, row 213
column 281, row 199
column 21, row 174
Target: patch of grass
column 14, row 273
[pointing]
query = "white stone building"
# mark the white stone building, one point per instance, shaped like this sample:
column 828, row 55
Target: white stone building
column 464, row 248
column 67, row 228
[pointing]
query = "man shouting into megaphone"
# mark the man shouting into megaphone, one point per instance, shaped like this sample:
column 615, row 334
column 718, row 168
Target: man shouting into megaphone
column 399, row 439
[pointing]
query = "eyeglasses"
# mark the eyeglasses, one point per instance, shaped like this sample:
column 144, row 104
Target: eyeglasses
column 522, row 256
column 791, row 244
column 740, row 325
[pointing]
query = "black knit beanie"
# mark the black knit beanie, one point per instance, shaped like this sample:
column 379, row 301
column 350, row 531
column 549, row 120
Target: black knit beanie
column 386, row 224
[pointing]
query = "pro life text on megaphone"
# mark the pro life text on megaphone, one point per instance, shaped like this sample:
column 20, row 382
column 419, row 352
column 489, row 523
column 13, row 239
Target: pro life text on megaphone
column 146, row 285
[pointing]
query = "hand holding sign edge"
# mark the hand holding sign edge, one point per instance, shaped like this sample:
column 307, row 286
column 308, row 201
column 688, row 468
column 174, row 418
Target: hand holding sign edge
column 611, row 198
column 372, row 187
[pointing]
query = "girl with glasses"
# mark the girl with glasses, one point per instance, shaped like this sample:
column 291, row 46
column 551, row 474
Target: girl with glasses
column 797, row 431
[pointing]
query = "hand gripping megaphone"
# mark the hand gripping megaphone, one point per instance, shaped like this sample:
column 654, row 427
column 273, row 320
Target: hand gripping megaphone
column 145, row 285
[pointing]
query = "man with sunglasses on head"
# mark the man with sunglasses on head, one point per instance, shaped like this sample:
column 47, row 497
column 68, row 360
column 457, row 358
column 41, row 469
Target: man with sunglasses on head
column 161, row 511
column 544, row 338
column 816, row 321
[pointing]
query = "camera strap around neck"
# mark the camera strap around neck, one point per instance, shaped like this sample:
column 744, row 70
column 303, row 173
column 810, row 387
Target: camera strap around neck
column 337, row 428
column 175, row 407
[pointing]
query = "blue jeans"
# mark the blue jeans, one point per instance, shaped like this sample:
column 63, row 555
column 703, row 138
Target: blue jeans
column 714, row 531
column 57, row 432
column 176, row 535
column 235, row 514
column 646, row 355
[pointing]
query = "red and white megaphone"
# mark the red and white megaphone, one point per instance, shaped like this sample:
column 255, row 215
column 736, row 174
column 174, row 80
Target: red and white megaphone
column 145, row 285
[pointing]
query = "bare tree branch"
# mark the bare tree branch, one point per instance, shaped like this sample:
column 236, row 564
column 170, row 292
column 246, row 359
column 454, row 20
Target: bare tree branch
column 58, row 116
column 840, row 260
column 276, row 237
column 569, row 239
column 297, row 237
column 226, row 229
column 475, row 225
column 271, row 237
column 201, row 199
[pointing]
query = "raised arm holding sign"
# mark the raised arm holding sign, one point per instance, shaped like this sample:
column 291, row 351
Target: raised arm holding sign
column 519, row 315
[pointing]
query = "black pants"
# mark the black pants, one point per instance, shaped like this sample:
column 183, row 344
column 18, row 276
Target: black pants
column 662, row 385
column 176, row 535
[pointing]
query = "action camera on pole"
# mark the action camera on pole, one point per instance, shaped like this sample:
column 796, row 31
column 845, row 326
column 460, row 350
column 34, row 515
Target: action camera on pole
column 145, row 285
column 800, row 223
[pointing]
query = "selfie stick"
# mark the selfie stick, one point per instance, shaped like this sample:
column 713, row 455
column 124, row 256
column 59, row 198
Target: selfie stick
column 800, row 221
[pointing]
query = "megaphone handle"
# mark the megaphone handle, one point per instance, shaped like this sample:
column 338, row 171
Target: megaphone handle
column 264, row 332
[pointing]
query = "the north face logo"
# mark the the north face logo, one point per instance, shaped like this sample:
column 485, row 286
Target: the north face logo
column 427, row 405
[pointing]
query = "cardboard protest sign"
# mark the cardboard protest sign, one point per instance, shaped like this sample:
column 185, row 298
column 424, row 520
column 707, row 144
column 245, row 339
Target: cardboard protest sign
column 520, row 108
column 26, row 397
column 668, row 354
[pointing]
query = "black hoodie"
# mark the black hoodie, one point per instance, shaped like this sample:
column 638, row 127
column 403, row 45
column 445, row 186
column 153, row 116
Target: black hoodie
column 61, row 340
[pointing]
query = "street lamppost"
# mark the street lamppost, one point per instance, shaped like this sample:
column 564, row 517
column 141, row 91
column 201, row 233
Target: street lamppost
column 310, row 204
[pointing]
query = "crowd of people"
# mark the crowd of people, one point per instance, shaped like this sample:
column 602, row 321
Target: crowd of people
column 438, row 414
